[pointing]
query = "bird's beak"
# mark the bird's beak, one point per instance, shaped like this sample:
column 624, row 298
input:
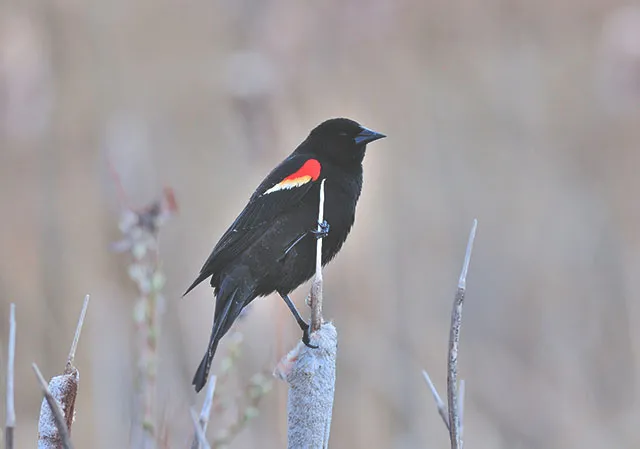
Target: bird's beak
column 367, row 135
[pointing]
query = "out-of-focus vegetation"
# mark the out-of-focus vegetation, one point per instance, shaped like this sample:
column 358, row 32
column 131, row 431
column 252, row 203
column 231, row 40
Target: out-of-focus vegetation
column 523, row 114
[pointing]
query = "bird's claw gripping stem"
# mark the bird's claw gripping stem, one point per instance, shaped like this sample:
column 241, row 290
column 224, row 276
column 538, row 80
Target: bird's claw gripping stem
column 317, row 233
column 306, row 338
column 323, row 231
column 306, row 334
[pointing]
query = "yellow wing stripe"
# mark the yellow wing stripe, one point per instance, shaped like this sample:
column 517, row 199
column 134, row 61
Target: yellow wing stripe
column 289, row 184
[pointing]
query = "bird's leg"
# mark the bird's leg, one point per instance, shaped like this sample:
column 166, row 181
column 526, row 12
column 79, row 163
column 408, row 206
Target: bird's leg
column 290, row 247
column 301, row 322
column 317, row 233
column 322, row 232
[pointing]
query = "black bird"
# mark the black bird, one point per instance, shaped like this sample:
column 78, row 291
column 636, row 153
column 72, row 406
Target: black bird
column 271, row 247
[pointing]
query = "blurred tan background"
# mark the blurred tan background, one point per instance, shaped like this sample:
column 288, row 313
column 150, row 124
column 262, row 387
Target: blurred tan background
column 524, row 114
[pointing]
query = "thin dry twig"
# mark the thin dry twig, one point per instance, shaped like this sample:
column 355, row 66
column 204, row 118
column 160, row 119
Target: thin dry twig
column 202, row 439
column 10, row 423
column 452, row 415
column 76, row 337
column 55, row 409
column 315, row 298
column 205, row 413
column 454, row 342
column 442, row 408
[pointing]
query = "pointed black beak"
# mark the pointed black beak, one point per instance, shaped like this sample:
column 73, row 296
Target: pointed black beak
column 366, row 136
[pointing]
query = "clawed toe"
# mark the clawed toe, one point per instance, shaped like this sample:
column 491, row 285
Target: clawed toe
column 323, row 230
column 306, row 338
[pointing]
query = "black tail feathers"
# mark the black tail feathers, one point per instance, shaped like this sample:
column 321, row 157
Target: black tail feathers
column 229, row 304
column 201, row 277
column 202, row 374
column 219, row 323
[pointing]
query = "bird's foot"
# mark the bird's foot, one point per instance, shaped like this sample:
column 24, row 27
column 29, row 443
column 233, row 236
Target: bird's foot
column 323, row 230
column 306, row 338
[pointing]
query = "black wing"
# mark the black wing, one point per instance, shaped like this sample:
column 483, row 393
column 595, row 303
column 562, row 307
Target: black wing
column 253, row 221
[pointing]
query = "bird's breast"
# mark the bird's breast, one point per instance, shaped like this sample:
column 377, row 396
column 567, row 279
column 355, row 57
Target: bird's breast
column 341, row 198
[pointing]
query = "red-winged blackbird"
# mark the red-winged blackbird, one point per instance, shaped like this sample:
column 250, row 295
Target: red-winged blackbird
column 271, row 247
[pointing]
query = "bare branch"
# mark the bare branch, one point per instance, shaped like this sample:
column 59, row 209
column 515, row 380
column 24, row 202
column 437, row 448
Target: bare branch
column 316, row 287
column 205, row 413
column 201, row 438
column 454, row 341
column 76, row 338
column 442, row 408
column 55, row 415
column 11, row 411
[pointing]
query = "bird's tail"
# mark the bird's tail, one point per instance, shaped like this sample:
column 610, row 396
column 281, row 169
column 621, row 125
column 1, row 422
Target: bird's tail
column 202, row 374
column 229, row 304
column 201, row 277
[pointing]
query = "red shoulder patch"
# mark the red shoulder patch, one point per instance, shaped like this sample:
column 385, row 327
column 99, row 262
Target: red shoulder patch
column 310, row 171
column 310, row 168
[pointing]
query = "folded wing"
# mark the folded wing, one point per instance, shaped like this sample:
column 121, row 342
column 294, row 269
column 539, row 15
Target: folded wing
column 283, row 188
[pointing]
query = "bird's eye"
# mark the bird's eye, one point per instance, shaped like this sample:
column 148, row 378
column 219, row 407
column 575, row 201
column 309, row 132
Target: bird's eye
column 343, row 134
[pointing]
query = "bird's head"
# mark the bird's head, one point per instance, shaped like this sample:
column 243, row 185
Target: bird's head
column 341, row 140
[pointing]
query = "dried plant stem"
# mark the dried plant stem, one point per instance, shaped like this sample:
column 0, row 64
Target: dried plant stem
column 76, row 337
column 442, row 408
column 461, row 409
column 140, row 237
column 10, row 423
column 453, row 413
column 200, row 436
column 315, row 298
column 311, row 373
column 54, row 427
column 147, row 322
column 454, row 342
column 48, row 438
column 205, row 413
